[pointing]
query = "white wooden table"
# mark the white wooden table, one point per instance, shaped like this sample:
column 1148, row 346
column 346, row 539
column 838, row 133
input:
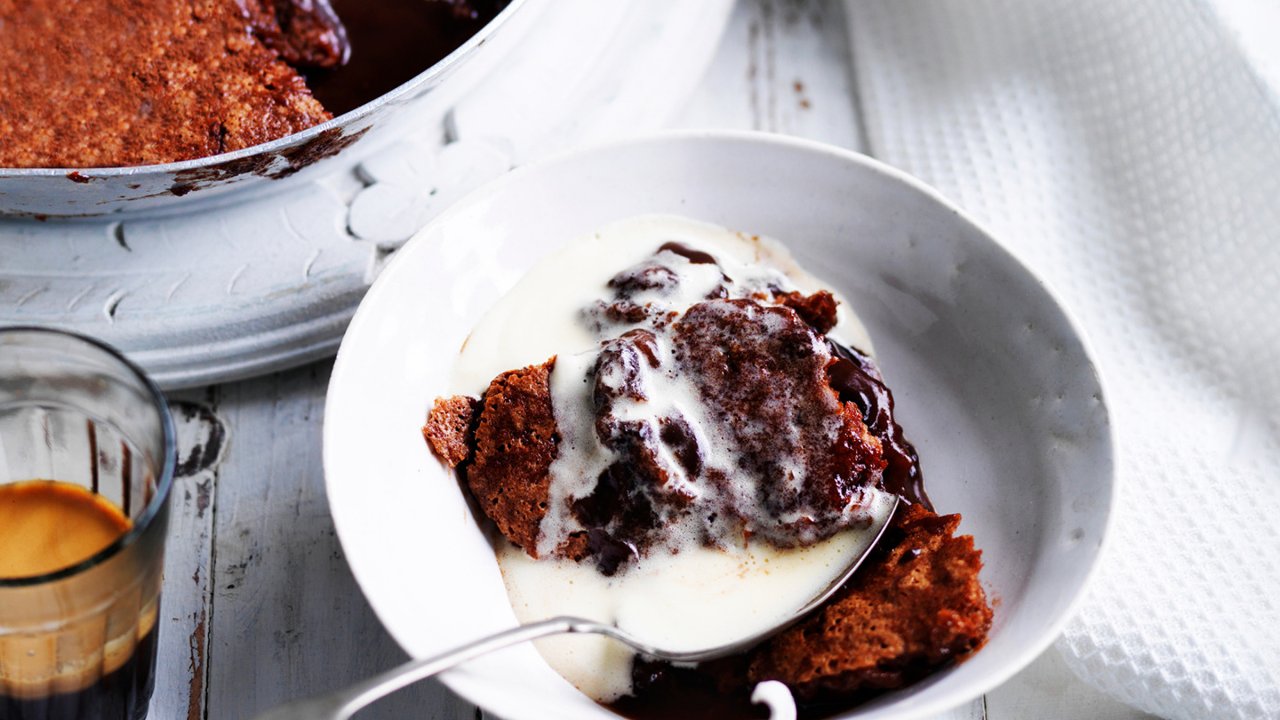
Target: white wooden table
column 259, row 604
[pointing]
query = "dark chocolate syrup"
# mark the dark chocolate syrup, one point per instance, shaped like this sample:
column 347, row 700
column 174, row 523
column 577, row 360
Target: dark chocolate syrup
column 391, row 42
column 311, row 34
column 666, row 692
column 697, row 257
column 614, row 505
column 856, row 378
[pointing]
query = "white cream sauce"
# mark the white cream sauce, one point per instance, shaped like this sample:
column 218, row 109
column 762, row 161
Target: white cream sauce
column 537, row 318
column 689, row 598
column 697, row 599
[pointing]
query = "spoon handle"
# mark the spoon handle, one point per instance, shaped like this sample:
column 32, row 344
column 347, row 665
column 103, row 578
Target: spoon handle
column 342, row 704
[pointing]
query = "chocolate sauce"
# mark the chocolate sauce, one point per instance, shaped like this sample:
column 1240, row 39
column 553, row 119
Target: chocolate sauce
column 855, row 377
column 311, row 34
column 122, row 694
column 666, row 692
column 697, row 257
column 610, row 553
column 617, row 516
column 391, row 42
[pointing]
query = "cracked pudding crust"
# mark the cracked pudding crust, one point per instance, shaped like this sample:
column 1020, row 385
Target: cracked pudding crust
column 114, row 83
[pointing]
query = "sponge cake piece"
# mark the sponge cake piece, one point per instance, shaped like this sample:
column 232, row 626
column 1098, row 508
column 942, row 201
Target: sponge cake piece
column 914, row 606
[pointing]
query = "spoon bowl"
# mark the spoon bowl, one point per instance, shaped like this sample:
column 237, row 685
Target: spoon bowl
column 344, row 703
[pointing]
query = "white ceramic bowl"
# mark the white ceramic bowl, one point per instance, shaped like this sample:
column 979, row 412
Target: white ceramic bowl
column 993, row 384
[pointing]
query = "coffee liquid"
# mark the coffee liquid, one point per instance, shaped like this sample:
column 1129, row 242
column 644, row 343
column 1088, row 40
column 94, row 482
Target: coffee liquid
column 46, row 526
column 120, row 695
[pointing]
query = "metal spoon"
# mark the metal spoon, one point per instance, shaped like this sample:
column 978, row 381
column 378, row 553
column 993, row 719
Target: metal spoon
column 344, row 703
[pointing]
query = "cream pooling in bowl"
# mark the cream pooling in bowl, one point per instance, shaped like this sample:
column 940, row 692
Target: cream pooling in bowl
column 682, row 594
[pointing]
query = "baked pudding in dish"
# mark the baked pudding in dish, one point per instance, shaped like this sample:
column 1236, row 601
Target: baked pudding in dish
column 674, row 428
column 109, row 83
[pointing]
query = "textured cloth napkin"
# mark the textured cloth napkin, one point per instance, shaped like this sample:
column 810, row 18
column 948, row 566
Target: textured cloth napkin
column 1129, row 152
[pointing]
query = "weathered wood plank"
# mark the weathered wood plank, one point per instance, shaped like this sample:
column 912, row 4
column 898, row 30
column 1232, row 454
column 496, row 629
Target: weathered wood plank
column 976, row 710
column 288, row 619
column 182, row 660
column 783, row 66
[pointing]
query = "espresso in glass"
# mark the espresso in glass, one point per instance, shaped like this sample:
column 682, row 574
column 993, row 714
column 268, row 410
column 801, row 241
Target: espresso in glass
column 86, row 464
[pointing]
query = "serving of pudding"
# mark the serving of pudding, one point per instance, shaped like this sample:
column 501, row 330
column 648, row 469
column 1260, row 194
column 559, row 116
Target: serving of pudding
column 674, row 428
column 973, row 345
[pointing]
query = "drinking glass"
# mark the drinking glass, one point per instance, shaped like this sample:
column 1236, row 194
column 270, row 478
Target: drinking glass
column 80, row 642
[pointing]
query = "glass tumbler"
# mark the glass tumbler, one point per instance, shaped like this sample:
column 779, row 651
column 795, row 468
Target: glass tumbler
column 80, row 641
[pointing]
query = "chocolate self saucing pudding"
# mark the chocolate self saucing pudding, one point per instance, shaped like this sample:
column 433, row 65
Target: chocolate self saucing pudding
column 694, row 440
column 108, row 83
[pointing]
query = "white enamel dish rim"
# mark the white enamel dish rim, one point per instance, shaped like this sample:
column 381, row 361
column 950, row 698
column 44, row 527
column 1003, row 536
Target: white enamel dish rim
column 280, row 165
column 390, row 594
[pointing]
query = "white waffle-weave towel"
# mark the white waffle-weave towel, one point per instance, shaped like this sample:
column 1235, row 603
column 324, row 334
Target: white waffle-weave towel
column 1129, row 151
